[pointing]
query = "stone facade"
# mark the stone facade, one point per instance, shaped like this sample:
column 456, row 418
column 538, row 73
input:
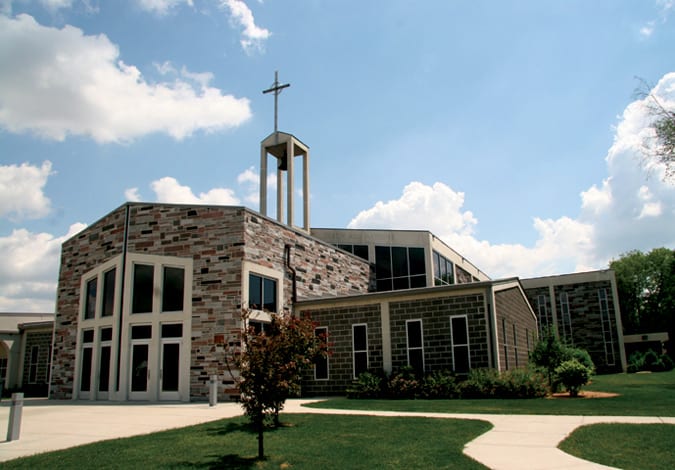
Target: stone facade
column 218, row 242
column 583, row 311
column 386, row 315
column 36, row 363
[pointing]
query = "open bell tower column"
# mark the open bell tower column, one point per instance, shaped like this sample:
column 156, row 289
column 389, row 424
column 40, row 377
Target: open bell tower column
column 284, row 147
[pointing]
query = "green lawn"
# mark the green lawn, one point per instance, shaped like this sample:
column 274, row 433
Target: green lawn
column 627, row 446
column 639, row 395
column 308, row 442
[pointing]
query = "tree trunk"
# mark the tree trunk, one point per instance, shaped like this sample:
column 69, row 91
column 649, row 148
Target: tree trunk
column 261, row 432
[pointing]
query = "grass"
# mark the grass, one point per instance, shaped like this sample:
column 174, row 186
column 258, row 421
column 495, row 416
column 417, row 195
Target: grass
column 307, row 442
column 627, row 446
column 639, row 395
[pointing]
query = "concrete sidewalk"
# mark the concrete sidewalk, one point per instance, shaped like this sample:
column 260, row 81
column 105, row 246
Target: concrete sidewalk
column 515, row 442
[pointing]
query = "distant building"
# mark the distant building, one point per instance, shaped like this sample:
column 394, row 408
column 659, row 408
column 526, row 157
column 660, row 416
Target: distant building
column 25, row 352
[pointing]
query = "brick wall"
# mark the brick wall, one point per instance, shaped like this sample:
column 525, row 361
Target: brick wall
column 512, row 311
column 435, row 315
column 218, row 240
column 339, row 321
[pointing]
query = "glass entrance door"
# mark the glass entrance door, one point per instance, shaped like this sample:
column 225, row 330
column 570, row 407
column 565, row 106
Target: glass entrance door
column 170, row 370
column 140, row 372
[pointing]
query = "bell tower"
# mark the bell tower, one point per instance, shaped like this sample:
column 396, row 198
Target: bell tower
column 284, row 147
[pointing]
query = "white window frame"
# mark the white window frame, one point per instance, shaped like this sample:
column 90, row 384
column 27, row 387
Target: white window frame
column 360, row 351
column 327, row 358
column 407, row 341
column 453, row 345
column 263, row 271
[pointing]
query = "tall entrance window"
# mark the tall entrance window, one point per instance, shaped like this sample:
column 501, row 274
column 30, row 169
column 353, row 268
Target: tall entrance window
column 459, row 334
column 415, row 343
column 606, row 321
column 86, row 361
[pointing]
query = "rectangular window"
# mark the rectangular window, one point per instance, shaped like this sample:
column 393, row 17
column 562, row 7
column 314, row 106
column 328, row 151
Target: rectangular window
column 108, row 293
column 321, row 363
column 399, row 268
column 515, row 344
column 262, row 293
column 459, row 335
column 173, row 287
column 104, row 369
column 506, row 348
column 360, row 348
column 443, row 270
column 3, row 368
column 141, row 332
column 415, row 344
column 606, row 321
column 359, row 250
column 85, row 373
column 172, row 330
column 143, row 288
column 542, row 311
column 33, row 365
column 566, row 319
column 90, row 301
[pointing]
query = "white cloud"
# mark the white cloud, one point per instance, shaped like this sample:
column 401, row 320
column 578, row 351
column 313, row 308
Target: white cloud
column 21, row 190
column 132, row 195
column 29, row 269
column 60, row 82
column 54, row 5
column 162, row 7
column 634, row 208
column 252, row 35
column 647, row 30
column 168, row 189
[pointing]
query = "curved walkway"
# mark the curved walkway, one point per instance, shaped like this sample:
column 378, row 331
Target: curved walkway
column 515, row 441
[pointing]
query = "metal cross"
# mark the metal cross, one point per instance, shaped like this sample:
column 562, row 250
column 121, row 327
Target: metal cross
column 276, row 89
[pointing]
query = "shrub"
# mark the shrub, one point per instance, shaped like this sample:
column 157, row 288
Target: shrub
column 439, row 385
column 403, row 384
column 573, row 375
column 580, row 355
column 521, row 383
column 650, row 360
column 367, row 385
column 481, row 383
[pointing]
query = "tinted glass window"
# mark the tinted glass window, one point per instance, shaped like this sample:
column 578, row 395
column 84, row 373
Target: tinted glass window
column 172, row 330
column 269, row 295
column 143, row 288
column 172, row 289
column 108, row 293
column 399, row 260
column 106, row 334
column 360, row 337
column 255, row 292
column 414, row 334
column 141, row 332
column 417, row 262
column 361, row 251
column 382, row 261
column 90, row 301
column 88, row 336
column 459, row 330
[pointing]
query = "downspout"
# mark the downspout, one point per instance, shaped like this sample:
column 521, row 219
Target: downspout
column 291, row 269
column 121, row 304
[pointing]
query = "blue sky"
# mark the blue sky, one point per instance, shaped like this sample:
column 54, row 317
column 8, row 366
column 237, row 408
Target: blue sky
column 510, row 129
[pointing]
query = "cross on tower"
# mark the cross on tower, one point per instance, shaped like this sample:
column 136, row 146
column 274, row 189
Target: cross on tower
column 276, row 89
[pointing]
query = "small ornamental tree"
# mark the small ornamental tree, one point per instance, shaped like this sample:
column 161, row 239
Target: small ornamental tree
column 548, row 353
column 267, row 365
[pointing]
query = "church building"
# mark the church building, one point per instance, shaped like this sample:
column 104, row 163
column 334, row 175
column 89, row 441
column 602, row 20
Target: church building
column 149, row 295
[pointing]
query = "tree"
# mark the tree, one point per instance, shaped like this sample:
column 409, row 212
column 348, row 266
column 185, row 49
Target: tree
column 548, row 353
column 662, row 144
column 267, row 365
column 646, row 286
column 573, row 375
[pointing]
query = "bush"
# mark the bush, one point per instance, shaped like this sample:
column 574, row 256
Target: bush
column 404, row 384
column 521, row 383
column 580, row 355
column 439, row 385
column 481, row 383
column 649, row 361
column 367, row 385
column 573, row 375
